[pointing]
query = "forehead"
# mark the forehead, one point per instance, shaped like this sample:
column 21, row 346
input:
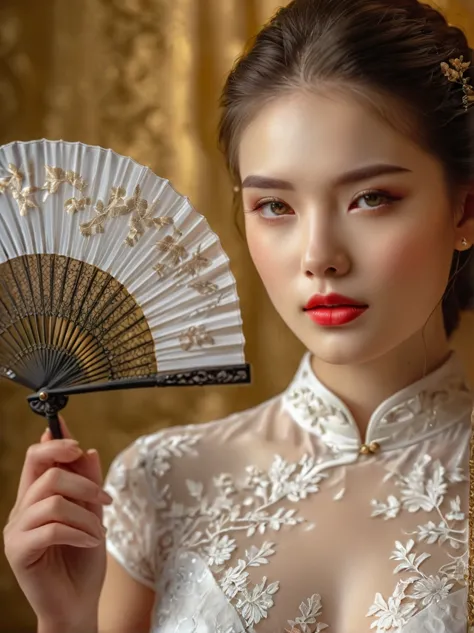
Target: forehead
column 311, row 134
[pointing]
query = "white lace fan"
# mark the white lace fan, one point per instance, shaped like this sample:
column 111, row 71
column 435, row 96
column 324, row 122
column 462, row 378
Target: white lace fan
column 108, row 279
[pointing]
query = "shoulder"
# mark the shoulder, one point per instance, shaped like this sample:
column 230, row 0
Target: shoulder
column 183, row 451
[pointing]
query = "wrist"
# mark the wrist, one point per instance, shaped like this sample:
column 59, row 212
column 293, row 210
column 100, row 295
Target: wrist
column 89, row 625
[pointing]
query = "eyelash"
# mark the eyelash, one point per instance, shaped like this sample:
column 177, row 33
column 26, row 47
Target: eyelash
column 382, row 194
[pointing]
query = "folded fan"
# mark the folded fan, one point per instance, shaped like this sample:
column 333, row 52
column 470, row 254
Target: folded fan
column 109, row 279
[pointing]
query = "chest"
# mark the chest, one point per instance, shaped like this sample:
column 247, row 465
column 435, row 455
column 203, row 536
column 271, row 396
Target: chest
column 359, row 547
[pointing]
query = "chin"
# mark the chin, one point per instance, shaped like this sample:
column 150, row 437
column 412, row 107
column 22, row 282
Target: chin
column 336, row 353
column 344, row 346
column 362, row 341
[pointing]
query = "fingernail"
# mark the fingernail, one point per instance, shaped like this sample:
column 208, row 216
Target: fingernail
column 90, row 541
column 71, row 443
column 104, row 529
column 104, row 497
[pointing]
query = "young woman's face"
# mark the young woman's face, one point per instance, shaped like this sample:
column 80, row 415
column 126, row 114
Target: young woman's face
column 336, row 201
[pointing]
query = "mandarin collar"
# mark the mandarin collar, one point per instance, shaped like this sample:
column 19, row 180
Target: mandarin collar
column 423, row 409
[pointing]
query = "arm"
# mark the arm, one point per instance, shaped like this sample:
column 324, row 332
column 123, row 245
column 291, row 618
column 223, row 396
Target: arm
column 125, row 604
column 128, row 594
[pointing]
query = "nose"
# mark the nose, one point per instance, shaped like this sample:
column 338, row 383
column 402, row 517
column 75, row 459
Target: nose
column 324, row 253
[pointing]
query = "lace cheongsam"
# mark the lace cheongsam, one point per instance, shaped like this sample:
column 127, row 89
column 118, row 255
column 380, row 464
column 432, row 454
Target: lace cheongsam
column 281, row 518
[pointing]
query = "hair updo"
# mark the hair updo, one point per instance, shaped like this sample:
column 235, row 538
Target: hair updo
column 386, row 53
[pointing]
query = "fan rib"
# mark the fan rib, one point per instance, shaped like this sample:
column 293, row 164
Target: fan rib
column 98, row 311
column 28, row 342
column 35, row 309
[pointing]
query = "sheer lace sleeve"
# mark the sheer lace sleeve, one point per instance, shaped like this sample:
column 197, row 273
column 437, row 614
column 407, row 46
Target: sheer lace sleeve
column 133, row 518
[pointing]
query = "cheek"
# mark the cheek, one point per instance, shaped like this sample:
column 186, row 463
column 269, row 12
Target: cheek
column 265, row 246
column 415, row 265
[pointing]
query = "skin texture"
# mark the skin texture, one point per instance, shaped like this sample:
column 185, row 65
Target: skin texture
column 316, row 235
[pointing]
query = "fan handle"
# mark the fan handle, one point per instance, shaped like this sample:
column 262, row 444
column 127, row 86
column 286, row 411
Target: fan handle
column 48, row 402
column 48, row 406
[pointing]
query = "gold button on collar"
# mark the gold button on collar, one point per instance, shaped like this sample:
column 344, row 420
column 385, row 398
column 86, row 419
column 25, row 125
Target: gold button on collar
column 369, row 449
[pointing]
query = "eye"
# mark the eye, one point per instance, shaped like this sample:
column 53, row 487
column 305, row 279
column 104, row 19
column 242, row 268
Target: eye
column 375, row 199
column 272, row 208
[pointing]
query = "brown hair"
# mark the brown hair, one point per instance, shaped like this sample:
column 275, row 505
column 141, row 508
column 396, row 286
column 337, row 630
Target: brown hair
column 386, row 52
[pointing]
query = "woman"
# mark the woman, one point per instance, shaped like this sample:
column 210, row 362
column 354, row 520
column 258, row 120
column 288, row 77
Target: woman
column 342, row 503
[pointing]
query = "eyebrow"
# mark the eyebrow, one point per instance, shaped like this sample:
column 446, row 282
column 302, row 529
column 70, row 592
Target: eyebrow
column 363, row 173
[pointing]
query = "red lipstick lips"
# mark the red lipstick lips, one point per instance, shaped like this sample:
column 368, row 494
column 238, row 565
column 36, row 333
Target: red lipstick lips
column 333, row 309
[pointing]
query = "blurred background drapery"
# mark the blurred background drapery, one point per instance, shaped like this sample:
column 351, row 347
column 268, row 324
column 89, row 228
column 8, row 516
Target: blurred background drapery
column 143, row 77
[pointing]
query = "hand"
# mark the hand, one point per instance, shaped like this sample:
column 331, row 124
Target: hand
column 54, row 540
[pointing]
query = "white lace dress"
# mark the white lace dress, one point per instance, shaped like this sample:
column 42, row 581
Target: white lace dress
column 281, row 518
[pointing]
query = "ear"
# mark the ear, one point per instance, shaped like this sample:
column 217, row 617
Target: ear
column 464, row 231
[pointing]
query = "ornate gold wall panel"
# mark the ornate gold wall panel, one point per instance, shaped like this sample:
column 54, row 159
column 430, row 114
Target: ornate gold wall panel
column 142, row 77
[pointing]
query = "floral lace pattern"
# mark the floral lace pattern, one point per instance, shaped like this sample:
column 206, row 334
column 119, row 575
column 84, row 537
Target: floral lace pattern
column 310, row 610
column 207, row 526
column 224, row 544
column 424, row 489
column 314, row 409
column 408, row 416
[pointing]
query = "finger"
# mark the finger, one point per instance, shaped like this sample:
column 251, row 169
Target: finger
column 46, row 437
column 93, row 470
column 66, row 432
column 26, row 548
column 88, row 465
column 57, row 509
column 41, row 457
column 57, row 481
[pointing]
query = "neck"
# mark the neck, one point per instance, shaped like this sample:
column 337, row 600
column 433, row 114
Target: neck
column 363, row 387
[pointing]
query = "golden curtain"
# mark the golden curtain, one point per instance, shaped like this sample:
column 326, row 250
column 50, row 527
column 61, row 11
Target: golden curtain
column 142, row 77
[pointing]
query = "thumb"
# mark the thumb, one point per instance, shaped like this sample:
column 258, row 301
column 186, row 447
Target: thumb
column 66, row 432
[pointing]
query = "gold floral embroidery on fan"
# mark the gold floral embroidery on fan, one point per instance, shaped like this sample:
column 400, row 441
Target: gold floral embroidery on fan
column 208, row 308
column 56, row 176
column 15, row 180
column 22, row 195
column 118, row 205
column 195, row 265
column 204, row 287
column 170, row 246
column 141, row 219
column 161, row 270
column 164, row 221
column 191, row 267
column 195, row 336
column 73, row 205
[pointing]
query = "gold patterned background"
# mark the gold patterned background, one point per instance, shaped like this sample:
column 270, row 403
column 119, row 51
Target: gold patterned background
column 143, row 77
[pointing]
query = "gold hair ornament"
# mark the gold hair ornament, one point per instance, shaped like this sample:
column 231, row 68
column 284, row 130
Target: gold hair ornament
column 455, row 73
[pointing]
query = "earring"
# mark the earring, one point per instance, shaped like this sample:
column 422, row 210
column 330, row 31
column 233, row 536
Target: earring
column 464, row 242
